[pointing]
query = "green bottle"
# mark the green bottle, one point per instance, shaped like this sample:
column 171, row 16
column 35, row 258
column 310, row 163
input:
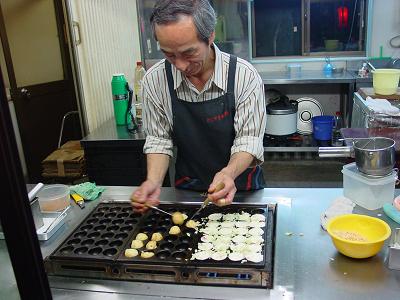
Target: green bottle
column 120, row 99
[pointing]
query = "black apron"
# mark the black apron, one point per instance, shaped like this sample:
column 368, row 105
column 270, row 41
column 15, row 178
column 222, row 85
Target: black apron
column 203, row 133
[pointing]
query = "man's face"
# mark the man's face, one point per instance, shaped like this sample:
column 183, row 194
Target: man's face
column 181, row 46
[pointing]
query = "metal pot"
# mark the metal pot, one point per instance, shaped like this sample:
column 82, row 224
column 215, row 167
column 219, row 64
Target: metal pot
column 374, row 156
column 281, row 117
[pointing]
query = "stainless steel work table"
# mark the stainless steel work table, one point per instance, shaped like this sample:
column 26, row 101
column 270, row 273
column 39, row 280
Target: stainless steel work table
column 306, row 266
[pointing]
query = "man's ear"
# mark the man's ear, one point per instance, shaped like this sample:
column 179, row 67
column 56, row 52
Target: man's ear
column 212, row 38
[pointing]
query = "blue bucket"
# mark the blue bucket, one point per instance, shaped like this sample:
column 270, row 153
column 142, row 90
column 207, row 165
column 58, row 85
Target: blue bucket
column 322, row 127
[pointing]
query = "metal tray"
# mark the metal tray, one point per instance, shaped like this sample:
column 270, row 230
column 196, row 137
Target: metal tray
column 102, row 235
column 57, row 218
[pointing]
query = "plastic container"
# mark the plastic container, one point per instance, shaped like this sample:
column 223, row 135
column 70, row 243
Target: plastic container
column 370, row 193
column 322, row 127
column 294, row 69
column 331, row 45
column 385, row 81
column 137, row 84
column 53, row 197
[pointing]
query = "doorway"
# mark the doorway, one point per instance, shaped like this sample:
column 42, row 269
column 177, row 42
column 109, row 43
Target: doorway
column 40, row 78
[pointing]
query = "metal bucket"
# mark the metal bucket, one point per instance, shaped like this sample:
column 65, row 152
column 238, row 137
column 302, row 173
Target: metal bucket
column 374, row 156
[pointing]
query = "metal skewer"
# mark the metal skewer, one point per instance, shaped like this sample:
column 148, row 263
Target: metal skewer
column 219, row 187
column 160, row 210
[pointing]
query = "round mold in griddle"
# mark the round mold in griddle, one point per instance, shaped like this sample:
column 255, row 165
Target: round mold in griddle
column 103, row 209
column 153, row 218
column 167, row 246
column 162, row 229
column 98, row 215
column 180, row 255
column 86, row 227
column 113, row 228
column 66, row 250
column 81, row 250
column 165, row 223
column 92, row 221
column 135, row 215
column 148, row 223
column 121, row 236
column 87, row 242
column 104, row 221
column 148, row 228
column 110, row 251
column 118, row 221
column 95, row 251
column 116, row 243
column 230, row 210
column 126, row 228
column 101, row 243
column 185, row 239
column 182, row 246
column 127, row 209
column 166, row 218
column 189, row 231
column 74, row 242
column 171, row 238
column 110, row 215
column 131, row 222
column 163, row 254
column 122, row 215
column 100, row 228
column 80, row 234
column 93, row 235
column 115, row 209
column 107, row 235
column 258, row 211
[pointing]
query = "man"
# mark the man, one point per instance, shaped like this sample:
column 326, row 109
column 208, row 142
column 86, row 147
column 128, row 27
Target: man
column 210, row 105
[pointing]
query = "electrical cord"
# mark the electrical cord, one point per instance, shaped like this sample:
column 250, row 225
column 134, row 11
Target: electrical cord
column 352, row 24
column 128, row 113
column 391, row 42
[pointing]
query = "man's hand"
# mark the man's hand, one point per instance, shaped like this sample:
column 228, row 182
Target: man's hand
column 147, row 193
column 224, row 196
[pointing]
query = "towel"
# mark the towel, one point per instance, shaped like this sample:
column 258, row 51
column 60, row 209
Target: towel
column 87, row 190
column 339, row 206
column 382, row 106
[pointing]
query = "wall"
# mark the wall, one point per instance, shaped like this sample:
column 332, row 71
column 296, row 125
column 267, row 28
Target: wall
column 385, row 25
column 35, row 50
column 109, row 44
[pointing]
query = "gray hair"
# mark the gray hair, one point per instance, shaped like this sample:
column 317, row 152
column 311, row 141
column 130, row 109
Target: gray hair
column 169, row 11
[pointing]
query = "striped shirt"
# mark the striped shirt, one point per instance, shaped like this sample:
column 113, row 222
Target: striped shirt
column 250, row 115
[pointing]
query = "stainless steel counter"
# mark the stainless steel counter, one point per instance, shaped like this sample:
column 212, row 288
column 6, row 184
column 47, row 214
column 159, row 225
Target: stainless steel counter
column 109, row 131
column 306, row 266
column 306, row 77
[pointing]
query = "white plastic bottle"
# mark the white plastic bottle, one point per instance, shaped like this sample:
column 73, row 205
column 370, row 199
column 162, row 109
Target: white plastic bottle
column 139, row 73
column 336, row 135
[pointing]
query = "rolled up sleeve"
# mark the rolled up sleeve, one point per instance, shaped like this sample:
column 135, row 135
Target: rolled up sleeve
column 155, row 125
column 250, row 119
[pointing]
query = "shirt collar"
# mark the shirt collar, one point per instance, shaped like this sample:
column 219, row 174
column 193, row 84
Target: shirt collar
column 216, row 77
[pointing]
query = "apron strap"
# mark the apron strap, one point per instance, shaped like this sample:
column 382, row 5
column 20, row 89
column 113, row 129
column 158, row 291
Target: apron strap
column 231, row 75
column 170, row 80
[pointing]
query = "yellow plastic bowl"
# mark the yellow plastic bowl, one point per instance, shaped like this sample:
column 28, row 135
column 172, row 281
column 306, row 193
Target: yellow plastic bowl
column 374, row 230
column 385, row 81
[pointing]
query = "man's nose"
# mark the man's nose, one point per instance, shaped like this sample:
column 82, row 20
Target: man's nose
column 181, row 64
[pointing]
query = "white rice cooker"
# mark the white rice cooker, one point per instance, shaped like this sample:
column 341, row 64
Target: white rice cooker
column 281, row 117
